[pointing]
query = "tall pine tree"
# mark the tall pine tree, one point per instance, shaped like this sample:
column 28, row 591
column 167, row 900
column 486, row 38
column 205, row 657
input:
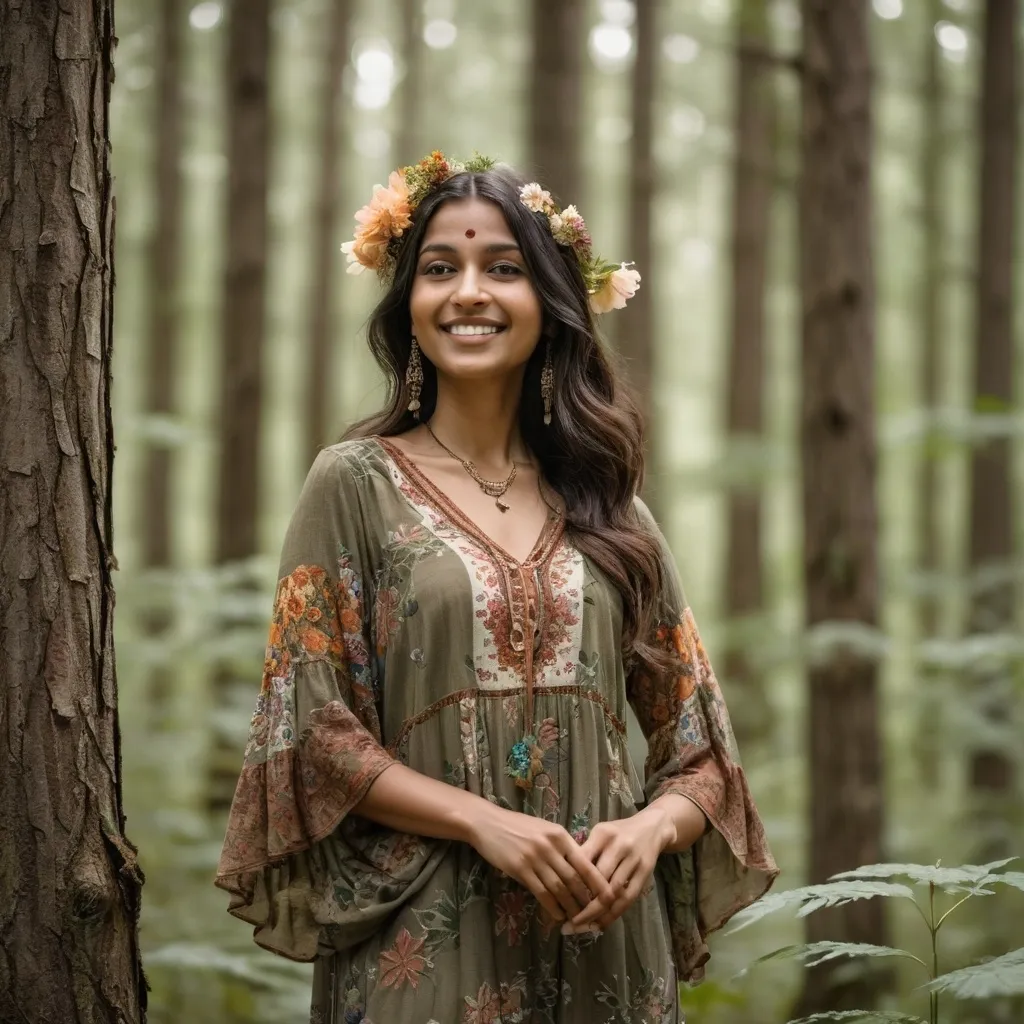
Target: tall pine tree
column 839, row 459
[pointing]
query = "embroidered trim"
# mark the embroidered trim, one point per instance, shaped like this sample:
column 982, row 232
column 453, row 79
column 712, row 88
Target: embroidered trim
column 594, row 696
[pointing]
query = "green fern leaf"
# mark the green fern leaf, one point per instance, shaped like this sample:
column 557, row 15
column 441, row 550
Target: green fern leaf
column 809, row 898
column 1014, row 878
column 863, row 1017
column 1003, row 976
column 966, row 878
column 814, row 953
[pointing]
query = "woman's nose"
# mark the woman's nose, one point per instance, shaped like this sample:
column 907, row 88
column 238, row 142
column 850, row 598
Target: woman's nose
column 469, row 290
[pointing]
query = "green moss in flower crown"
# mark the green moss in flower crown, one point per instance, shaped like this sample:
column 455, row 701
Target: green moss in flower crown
column 480, row 163
column 422, row 178
column 596, row 271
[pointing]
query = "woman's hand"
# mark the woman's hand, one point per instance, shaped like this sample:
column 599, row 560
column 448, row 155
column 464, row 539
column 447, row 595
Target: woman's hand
column 543, row 858
column 625, row 853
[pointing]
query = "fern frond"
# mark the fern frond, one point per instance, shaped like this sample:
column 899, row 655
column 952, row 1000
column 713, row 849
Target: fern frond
column 1003, row 976
column 965, row 878
column 814, row 953
column 809, row 898
column 863, row 1017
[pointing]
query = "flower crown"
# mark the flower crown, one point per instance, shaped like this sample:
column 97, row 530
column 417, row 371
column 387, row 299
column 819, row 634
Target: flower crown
column 383, row 221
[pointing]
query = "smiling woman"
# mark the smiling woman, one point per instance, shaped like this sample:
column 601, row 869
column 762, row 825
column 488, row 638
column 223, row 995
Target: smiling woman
column 437, row 804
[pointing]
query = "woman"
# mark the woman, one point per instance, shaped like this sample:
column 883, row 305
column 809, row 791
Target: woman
column 437, row 804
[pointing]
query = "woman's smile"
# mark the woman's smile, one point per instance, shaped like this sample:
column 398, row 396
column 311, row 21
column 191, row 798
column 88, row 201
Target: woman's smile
column 472, row 327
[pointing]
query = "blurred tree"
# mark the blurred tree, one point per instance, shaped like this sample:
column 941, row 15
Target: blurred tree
column 325, row 231
column 636, row 328
column 242, row 333
column 991, row 502
column 162, row 359
column 556, row 84
column 753, row 175
column 407, row 138
column 839, row 468
column 927, row 744
column 70, row 886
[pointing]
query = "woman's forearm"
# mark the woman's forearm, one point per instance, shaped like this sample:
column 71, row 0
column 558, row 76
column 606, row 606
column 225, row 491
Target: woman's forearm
column 408, row 801
column 688, row 821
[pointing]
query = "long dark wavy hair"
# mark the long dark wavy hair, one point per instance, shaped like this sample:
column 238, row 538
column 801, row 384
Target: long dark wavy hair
column 592, row 452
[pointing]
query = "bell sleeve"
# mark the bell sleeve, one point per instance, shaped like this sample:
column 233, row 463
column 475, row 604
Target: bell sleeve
column 692, row 752
column 300, row 867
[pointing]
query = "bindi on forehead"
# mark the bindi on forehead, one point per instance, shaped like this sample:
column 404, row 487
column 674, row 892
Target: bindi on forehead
column 470, row 233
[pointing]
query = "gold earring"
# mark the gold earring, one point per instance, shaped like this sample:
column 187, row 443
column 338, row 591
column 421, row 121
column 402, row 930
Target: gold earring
column 547, row 384
column 414, row 379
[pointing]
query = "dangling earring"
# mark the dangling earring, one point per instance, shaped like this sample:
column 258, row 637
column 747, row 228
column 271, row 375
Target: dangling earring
column 547, row 385
column 414, row 379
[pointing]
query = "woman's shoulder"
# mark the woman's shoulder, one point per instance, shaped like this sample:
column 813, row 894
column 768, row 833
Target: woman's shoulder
column 348, row 465
column 353, row 456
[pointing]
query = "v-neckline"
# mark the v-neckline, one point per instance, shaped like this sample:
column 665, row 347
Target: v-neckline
column 546, row 542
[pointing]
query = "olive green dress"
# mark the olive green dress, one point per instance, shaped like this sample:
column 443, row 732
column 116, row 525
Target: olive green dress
column 400, row 633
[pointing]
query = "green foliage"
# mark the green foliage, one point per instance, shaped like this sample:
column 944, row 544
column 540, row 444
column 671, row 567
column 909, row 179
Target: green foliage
column 809, row 898
column 1002, row 976
column 970, row 878
column 814, row 953
column 864, row 1017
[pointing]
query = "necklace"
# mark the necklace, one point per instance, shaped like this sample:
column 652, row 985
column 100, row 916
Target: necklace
column 492, row 488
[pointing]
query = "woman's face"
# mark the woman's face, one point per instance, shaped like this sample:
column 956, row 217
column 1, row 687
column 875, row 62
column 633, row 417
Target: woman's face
column 474, row 310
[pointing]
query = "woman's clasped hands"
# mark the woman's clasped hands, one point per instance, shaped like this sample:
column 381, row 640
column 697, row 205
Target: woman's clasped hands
column 585, row 887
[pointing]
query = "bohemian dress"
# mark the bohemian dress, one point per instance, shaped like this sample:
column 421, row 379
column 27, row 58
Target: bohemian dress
column 402, row 633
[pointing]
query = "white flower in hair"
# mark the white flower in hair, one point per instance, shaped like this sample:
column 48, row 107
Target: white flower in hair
column 535, row 198
column 616, row 289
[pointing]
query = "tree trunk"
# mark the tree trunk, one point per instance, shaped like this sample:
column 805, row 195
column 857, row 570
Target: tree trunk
column 164, row 260
column 991, row 503
column 70, row 886
column 241, row 332
column 636, row 328
column 325, row 233
column 839, row 466
column 556, row 110
column 407, row 136
column 753, row 175
column 928, row 739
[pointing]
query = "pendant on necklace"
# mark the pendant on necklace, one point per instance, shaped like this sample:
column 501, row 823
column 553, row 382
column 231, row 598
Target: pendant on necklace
column 502, row 506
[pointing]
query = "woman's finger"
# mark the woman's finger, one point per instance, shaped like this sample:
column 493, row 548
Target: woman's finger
column 596, row 882
column 595, row 912
column 543, row 896
column 559, row 889
column 621, row 905
column 570, row 877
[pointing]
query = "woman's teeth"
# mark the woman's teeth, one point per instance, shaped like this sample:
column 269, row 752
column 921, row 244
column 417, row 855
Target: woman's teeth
column 470, row 329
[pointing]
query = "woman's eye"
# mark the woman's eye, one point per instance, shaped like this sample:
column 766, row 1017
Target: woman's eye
column 436, row 269
column 506, row 269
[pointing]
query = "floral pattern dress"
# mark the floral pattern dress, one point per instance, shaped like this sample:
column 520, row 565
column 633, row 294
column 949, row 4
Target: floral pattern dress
column 401, row 633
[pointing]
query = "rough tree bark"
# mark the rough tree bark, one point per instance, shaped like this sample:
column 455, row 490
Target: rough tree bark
column 556, row 111
column 242, row 332
column 636, row 327
column 839, row 465
column 325, row 232
column 753, row 174
column 407, row 135
column 991, row 501
column 69, row 881
column 164, row 259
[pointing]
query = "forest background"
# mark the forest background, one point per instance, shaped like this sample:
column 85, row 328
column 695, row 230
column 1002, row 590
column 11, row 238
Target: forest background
column 878, row 721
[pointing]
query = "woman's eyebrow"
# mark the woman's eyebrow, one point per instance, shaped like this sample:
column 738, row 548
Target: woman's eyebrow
column 493, row 247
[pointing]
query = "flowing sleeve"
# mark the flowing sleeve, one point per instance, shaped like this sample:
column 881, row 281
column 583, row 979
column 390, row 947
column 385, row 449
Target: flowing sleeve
column 300, row 867
column 692, row 752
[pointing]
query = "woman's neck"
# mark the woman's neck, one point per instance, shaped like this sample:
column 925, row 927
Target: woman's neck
column 480, row 420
